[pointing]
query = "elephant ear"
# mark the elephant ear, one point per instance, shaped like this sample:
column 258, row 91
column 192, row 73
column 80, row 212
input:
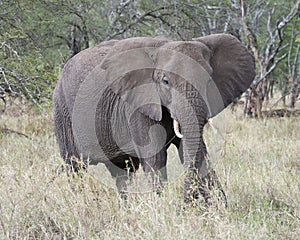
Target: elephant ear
column 139, row 91
column 129, row 71
column 233, row 68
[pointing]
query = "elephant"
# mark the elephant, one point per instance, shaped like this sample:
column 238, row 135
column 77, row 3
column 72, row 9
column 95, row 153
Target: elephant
column 124, row 102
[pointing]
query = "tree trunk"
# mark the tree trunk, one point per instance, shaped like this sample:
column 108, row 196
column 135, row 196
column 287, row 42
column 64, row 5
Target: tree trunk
column 295, row 93
column 256, row 98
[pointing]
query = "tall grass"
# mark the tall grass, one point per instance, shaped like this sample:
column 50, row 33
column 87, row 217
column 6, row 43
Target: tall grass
column 257, row 162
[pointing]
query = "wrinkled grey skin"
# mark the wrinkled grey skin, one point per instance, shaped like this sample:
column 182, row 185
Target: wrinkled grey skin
column 117, row 101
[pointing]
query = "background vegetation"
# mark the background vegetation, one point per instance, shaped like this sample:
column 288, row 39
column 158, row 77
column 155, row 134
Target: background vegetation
column 257, row 160
column 38, row 36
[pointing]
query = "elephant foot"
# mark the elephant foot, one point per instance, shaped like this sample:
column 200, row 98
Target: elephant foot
column 209, row 187
column 158, row 185
column 122, row 186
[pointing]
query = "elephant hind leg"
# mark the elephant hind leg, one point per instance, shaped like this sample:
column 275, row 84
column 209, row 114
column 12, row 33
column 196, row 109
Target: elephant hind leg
column 65, row 137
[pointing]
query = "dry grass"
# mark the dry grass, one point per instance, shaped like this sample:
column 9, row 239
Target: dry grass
column 257, row 162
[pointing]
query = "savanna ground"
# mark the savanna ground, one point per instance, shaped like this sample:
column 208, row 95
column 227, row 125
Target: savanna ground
column 257, row 162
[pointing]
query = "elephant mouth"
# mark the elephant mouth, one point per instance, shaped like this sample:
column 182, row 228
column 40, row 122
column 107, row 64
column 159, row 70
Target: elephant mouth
column 177, row 129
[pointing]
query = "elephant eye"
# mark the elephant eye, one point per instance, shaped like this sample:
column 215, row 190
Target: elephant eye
column 165, row 80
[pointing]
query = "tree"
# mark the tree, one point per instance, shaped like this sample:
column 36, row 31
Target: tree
column 269, row 47
column 37, row 37
column 293, row 63
column 23, row 69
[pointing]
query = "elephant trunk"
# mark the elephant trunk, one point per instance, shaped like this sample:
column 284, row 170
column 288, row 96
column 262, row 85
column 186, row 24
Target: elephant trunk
column 189, row 127
column 194, row 149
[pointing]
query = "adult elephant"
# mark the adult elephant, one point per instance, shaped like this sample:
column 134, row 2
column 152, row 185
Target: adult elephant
column 124, row 102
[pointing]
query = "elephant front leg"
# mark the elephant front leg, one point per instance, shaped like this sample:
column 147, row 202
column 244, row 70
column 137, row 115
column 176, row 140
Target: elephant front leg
column 202, row 180
column 122, row 172
column 156, row 167
column 207, row 186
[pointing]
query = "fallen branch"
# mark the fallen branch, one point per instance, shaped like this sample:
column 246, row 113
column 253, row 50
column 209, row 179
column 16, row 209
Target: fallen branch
column 281, row 113
column 6, row 130
column 4, row 101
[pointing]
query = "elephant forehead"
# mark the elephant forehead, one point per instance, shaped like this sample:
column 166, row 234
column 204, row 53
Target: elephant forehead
column 174, row 62
column 196, row 51
column 181, row 63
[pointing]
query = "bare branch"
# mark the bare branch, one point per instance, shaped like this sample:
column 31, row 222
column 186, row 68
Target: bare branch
column 21, row 85
column 6, row 130
column 294, row 11
column 8, row 85
column 250, row 35
column 139, row 19
column 271, row 68
column 4, row 44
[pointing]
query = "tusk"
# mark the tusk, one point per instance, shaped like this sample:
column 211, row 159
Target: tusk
column 176, row 129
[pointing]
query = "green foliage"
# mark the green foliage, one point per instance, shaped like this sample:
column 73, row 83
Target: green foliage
column 37, row 37
column 24, row 68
